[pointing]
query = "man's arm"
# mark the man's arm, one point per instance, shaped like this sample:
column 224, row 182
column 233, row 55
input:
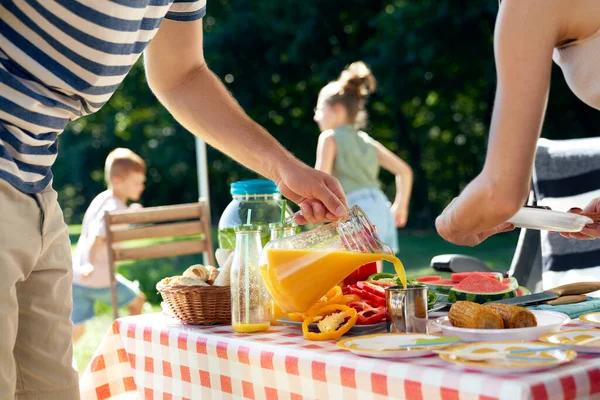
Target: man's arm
column 178, row 75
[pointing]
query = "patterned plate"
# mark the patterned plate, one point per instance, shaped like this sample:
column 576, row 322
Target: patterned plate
column 389, row 345
column 573, row 336
column 526, row 362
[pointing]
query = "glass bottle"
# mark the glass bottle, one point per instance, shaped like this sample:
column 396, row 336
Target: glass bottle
column 257, row 197
column 282, row 230
column 249, row 299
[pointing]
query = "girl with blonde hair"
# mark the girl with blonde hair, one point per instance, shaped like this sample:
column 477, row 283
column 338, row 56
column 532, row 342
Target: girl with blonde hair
column 354, row 158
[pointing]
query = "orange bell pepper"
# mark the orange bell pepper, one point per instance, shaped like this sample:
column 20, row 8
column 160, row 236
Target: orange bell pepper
column 333, row 321
column 296, row 317
column 333, row 296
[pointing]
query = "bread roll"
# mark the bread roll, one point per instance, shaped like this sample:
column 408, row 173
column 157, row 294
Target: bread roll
column 197, row 271
column 212, row 274
column 179, row 281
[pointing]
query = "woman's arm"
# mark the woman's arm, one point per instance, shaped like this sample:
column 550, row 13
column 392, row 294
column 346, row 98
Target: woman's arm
column 325, row 152
column 404, row 181
column 525, row 36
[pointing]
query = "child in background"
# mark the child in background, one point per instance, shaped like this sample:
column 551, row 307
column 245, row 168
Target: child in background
column 125, row 174
column 354, row 158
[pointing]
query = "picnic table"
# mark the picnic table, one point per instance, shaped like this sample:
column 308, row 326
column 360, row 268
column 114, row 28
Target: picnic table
column 154, row 356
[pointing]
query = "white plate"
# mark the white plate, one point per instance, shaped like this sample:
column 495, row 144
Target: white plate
column 386, row 345
column 591, row 318
column 572, row 336
column 509, row 365
column 355, row 328
column 548, row 321
column 550, row 220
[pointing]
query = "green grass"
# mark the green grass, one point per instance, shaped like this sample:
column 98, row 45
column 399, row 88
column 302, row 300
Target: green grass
column 95, row 330
column 416, row 251
column 418, row 248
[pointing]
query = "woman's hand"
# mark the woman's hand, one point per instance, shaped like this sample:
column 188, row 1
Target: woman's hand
column 450, row 231
column 400, row 212
column 591, row 231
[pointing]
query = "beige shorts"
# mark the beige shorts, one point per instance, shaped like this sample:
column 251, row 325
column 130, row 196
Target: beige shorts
column 36, row 354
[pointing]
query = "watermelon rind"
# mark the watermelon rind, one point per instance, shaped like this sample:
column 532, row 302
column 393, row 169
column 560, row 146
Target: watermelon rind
column 457, row 295
column 522, row 291
column 512, row 283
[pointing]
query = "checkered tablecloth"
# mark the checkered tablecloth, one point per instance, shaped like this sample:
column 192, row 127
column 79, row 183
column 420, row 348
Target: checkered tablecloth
column 154, row 357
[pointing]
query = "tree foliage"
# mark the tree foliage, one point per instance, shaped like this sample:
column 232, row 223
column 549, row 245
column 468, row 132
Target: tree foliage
column 433, row 61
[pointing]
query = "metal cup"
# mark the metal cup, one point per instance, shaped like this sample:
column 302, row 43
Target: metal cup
column 406, row 309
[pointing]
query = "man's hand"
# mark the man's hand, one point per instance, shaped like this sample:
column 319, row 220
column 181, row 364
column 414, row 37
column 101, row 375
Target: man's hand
column 319, row 195
column 591, row 231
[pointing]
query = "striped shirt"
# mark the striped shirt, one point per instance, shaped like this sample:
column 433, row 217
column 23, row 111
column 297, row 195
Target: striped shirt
column 63, row 59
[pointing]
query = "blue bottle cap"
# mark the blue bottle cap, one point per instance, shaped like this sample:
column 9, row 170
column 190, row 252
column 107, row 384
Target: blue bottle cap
column 254, row 186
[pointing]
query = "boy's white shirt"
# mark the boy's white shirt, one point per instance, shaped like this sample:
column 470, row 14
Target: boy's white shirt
column 92, row 227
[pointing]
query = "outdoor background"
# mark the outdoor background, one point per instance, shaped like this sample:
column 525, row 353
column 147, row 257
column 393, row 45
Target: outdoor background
column 433, row 60
column 434, row 64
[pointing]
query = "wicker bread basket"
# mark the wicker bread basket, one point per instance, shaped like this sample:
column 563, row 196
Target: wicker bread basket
column 199, row 305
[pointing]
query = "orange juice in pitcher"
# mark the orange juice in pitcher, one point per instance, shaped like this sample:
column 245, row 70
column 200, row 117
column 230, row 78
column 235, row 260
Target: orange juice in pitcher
column 299, row 270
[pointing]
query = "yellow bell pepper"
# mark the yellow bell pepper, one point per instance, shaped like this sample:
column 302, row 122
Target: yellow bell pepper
column 334, row 320
column 296, row 317
column 347, row 298
column 333, row 296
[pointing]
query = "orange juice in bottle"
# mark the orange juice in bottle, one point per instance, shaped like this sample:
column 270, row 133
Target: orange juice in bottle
column 299, row 270
column 249, row 299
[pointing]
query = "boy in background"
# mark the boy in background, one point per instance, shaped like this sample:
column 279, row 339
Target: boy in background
column 125, row 174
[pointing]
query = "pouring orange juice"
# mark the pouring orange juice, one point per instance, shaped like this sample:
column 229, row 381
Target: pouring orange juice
column 298, row 270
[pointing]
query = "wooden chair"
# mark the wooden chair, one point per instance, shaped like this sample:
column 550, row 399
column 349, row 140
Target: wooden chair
column 157, row 222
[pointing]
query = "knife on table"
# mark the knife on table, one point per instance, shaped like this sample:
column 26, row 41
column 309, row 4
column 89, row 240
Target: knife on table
column 565, row 294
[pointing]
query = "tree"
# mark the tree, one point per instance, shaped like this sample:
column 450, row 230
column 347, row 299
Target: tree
column 435, row 67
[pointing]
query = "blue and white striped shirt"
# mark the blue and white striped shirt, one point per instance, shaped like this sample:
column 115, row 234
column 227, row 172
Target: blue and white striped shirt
column 63, row 59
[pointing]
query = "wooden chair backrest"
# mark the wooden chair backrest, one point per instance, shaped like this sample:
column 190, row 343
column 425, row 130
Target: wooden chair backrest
column 157, row 222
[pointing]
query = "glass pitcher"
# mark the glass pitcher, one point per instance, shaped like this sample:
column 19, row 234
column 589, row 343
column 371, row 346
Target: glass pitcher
column 279, row 231
column 300, row 269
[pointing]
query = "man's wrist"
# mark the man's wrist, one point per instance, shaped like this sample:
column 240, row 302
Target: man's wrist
column 280, row 163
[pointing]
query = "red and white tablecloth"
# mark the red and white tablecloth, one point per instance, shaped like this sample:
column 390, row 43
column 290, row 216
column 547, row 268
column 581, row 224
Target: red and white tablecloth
column 154, row 357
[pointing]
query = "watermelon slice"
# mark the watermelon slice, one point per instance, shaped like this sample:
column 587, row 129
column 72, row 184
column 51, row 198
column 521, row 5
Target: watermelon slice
column 481, row 289
column 460, row 276
column 522, row 291
column 512, row 282
column 442, row 286
column 430, row 278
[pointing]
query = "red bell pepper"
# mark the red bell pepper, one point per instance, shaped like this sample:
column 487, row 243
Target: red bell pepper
column 378, row 301
column 371, row 288
column 361, row 273
column 367, row 314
